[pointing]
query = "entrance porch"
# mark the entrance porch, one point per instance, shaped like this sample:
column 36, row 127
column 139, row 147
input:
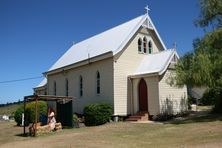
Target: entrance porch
column 144, row 96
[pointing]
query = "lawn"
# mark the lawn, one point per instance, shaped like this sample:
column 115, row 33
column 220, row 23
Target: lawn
column 200, row 130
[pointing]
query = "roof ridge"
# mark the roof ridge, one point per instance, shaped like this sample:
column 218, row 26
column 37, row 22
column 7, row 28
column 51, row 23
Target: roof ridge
column 95, row 45
column 112, row 28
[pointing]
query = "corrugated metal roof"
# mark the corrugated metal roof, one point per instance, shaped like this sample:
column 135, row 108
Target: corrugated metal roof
column 104, row 42
column 112, row 40
column 156, row 63
column 42, row 83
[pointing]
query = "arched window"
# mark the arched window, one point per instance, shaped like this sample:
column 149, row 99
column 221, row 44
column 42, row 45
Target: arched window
column 80, row 86
column 139, row 45
column 98, row 83
column 54, row 88
column 144, row 45
column 150, row 47
column 67, row 87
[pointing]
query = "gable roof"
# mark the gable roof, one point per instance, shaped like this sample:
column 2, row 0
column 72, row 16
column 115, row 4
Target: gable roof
column 112, row 40
column 42, row 83
column 156, row 63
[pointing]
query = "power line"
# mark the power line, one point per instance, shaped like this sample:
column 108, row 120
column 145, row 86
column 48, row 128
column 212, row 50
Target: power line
column 24, row 79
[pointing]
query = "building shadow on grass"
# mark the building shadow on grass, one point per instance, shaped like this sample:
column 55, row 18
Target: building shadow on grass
column 194, row 117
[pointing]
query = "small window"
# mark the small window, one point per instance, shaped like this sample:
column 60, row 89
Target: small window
column 150, row 47
column 144, row 45
column 55, row 88
column 80, row 86
column 67, row 87
column 98, row 83
column 139, row 45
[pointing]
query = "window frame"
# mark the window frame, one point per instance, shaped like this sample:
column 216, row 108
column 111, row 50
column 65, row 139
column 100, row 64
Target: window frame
column 98, row 83
column 150, row 47
column 67, row 87
column 140, row 45
column 54, row 88
column 145, row 45
column 80, row 86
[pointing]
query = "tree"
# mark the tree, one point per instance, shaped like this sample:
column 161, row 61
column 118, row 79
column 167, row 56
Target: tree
column 203, row 67
column 210, row 14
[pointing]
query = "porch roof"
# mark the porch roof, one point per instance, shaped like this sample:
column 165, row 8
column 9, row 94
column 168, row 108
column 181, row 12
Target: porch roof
column 156, row 63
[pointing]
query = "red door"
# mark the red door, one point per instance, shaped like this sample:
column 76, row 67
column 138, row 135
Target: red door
column 143, row 105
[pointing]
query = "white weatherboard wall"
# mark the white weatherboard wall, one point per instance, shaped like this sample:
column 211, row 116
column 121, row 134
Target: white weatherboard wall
column 88, row 73
column 125, row 64
column 152, row 93
column 172, row 98
column 40, row 90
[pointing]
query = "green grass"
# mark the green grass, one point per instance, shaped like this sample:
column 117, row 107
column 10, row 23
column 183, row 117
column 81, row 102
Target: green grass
column 200, row 130
column 8, row 110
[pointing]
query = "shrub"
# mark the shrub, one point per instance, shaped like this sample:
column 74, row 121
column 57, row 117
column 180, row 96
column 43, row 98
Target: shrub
column 30, row 112
column 163, row 117
column 18, row 115
column 218, row 100
column 213, row 97
column 97, row 114
column 75, row 121
column 209, row 97
column 166, row 117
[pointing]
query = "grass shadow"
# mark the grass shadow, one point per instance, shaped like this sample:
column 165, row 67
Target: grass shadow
column 23, row 135
column 202, row 116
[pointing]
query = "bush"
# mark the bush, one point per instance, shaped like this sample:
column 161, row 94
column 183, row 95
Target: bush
column 30, row 112
column 208, row 97
column 97, row 114
column 166, row 117
column 213, row 96
column 163, row 117
column 75, row 121
column 218, row 100
column 18, row 115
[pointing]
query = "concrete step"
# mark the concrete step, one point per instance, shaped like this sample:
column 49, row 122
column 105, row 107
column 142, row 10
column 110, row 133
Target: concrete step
column 131, row 119
column 140, row 116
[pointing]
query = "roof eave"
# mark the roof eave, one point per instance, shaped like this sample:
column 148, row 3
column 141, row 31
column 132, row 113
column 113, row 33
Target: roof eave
column 39, row 88
column 123, row 44
column 81, row 63
column 143, row 75
column 164, row 68
column 136, row 29
column 158, row 35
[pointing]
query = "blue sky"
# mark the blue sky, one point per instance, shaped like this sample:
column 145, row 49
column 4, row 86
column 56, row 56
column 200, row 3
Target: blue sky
column 35, row 33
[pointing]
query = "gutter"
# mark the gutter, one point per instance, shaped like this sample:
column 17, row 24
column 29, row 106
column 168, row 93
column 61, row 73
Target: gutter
column 144, row 75
column 80, row 63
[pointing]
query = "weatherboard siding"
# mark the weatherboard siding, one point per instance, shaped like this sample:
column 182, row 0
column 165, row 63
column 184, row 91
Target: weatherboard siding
column 153, row 95
column 172, row 99
column 88, row 73
column 125, row 64
column 40, row 90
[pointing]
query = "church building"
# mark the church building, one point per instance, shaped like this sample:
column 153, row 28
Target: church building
column 127, row 66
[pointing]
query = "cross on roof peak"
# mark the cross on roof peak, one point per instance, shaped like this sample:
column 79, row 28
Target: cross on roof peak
column 147, row 9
